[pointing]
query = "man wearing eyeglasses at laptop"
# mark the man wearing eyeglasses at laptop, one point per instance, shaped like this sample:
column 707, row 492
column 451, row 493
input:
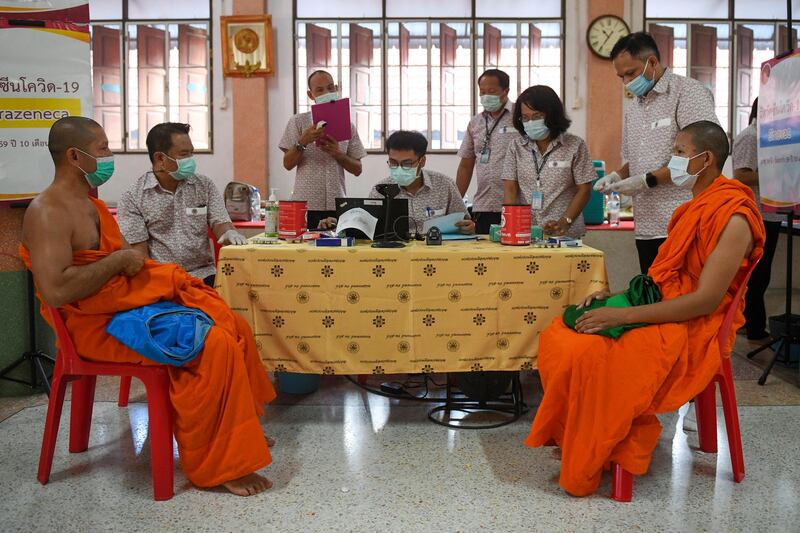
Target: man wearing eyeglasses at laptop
column 430, row 194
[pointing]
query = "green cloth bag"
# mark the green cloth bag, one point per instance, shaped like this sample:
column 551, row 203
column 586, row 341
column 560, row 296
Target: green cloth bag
column 642, row 290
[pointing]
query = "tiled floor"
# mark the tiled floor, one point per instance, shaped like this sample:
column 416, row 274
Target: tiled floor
column 348, row 460
column 351, row 461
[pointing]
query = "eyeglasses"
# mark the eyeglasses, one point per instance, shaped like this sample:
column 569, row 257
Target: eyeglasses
column 533, row 116
column 406, row 165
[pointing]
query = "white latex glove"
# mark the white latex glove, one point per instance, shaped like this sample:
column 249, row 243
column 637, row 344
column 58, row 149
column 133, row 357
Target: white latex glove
column 630, row 186
column 605, row 182
column 232, row 237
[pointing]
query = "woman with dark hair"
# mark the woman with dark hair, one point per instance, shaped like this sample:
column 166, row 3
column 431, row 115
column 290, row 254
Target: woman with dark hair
column 745, row 169
column 547, row 167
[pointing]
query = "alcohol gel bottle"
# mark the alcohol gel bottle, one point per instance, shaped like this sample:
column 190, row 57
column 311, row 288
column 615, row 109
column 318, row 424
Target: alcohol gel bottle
column 613, row 209
column 271, row 216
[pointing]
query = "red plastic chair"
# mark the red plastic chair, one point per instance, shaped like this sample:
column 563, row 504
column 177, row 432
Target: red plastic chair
column 83, row 375
column 125, row 381
column 705, row 405
column 214, row 244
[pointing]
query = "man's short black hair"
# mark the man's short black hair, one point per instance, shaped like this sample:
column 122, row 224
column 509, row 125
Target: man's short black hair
column 320, row 71
column 708, row 136
column 639, row 44
column 407, row 140
column 159, row 139
column 502, row 77
column 70, row 132
column 544, row 99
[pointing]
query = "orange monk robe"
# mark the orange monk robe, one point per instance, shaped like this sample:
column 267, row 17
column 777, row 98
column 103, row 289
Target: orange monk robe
column 601, row 395
column 218, row 397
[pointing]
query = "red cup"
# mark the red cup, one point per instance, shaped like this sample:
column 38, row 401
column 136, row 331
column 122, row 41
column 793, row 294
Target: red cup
column 515, row 223
column 291, row 219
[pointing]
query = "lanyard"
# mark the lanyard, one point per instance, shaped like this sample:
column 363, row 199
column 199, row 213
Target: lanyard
column 490, row 131
column 539, row 167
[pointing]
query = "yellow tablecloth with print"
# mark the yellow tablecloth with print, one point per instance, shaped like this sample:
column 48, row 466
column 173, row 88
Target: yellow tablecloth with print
column 462, row 306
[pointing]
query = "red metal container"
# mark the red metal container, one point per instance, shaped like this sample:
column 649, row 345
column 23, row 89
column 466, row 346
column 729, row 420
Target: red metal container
column 291, row 219
column 516, row 225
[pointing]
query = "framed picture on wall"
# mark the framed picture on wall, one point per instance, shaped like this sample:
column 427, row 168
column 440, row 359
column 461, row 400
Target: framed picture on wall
column 247, row 46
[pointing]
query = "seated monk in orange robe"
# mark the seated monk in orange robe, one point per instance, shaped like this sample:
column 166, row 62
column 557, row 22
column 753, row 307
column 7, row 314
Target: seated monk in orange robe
column 82, row 265
column 601, row 395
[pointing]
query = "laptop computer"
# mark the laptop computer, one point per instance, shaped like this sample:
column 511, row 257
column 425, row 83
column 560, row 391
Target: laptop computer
column 398, row 216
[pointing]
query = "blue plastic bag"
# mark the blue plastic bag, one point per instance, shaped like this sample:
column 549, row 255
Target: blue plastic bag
column 164, row 332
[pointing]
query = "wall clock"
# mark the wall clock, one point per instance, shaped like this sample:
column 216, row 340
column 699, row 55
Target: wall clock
column 604, row 32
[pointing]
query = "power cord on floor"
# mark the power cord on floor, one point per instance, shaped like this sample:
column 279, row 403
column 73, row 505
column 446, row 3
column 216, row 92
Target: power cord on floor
column 405, row 385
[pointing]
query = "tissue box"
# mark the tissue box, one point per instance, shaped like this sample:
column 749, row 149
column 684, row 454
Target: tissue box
column 494, row 232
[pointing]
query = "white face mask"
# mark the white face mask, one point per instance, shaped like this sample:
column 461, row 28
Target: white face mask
column 678, row 171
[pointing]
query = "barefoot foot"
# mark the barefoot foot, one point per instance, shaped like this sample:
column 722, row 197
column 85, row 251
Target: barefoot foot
column 270, row 441
column 248, row 485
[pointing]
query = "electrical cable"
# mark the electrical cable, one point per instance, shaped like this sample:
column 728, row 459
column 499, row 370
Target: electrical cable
column 406, row 396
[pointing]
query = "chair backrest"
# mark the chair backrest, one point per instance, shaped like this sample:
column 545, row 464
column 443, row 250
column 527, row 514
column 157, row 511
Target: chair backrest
column 68, row 357
column 730, row 314
column 214, row 244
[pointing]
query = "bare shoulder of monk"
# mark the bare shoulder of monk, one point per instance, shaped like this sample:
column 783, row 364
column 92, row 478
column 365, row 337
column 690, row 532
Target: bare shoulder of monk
column 52, row 216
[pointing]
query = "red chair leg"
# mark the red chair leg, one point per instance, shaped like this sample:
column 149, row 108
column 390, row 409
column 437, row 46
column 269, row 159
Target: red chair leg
column 731, row 411
column 621, row 484
column 705, row 405
column 124, row 391
column 80, row 423
column 58, row 387
column 159, row 410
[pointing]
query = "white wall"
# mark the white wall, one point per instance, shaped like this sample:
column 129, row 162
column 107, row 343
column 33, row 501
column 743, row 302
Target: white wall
column 281, row 101
column 218, row 165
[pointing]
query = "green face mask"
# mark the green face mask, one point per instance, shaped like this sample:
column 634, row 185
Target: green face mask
column 327, row 97
column 103, row 171
column 491, row 102
column 186, row 168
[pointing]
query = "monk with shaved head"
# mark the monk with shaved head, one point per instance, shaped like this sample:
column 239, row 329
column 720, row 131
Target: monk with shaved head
column 82, row 265
column 601, row 395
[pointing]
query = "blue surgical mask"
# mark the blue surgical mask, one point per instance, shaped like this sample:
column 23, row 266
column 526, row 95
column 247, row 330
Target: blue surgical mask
column 678, row 171
column 186, row 168
column 403, row 176
column 327, row 97
column 640, row 85
column 491, row 102
column 103, row 171
column 536, row 129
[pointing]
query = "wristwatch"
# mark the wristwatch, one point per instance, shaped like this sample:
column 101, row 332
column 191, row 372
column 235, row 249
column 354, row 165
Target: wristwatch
column 300, row 146
column 650, row 179
column 569, row 220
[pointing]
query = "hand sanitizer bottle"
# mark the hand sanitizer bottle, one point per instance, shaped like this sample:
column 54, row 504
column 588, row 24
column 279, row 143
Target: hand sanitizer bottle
column 613, row 209
column 271, row 216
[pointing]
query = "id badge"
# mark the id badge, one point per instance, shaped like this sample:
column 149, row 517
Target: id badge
column 536, row 201
column 485, row 155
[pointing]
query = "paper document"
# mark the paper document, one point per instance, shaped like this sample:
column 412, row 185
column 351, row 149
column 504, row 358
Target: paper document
column 357, row 218
column 458, row 237
column 446, row 223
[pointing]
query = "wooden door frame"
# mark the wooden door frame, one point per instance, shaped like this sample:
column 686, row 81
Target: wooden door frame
column 732, row 22
column 126, row 21
column 472, row 21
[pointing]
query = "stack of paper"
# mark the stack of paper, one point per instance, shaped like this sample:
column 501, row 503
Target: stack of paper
column 447, row 225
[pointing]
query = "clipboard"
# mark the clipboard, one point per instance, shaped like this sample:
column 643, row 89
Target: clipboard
column 337, row 116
